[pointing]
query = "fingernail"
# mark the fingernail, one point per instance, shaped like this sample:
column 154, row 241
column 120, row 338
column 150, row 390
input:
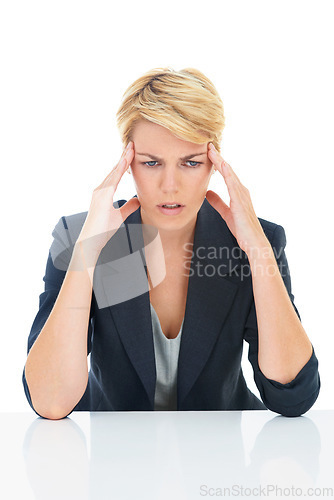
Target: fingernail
column 128, row 146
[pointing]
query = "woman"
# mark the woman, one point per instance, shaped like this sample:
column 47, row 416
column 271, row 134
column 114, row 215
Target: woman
column 161, row 296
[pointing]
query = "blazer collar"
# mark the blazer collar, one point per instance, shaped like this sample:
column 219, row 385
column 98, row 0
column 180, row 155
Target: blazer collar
column 213, row 283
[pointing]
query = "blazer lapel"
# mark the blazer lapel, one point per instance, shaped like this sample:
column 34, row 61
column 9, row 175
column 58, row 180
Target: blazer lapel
column 121, row 269
column 211, row 292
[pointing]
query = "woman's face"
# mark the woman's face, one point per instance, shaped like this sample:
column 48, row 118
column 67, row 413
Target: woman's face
column 161, row 174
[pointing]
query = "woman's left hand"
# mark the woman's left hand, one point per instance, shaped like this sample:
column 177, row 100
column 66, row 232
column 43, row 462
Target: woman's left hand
column 240, row 216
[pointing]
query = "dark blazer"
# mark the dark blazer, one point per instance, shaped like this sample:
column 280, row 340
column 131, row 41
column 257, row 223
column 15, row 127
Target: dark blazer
column 220, row 314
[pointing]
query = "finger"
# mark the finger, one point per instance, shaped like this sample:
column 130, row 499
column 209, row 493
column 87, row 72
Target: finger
column 129, row 207
column 113, row 178
column 126, row 155
column 215, row 159
column 235, row 182
column 229, row 171
column 218, row 161
column 234, row 186
column 124, row 161
column 217, row 203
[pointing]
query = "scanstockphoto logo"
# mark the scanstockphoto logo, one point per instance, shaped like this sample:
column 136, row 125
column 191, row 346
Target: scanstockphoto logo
column 231, row 253
column 267, row 490
column 224, row 260
column 126, row 268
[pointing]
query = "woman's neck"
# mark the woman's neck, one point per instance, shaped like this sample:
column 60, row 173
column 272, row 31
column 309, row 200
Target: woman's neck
column 173, row 243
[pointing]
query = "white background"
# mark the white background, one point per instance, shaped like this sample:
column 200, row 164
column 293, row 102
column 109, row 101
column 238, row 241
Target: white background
column 65, row 66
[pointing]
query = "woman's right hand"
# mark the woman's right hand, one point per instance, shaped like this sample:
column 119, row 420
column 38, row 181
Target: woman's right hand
column 103, row 219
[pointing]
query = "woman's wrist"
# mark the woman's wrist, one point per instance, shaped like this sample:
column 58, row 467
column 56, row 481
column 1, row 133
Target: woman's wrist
column 84, row 256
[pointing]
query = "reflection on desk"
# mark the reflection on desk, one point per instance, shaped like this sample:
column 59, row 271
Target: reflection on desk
column 170, row 455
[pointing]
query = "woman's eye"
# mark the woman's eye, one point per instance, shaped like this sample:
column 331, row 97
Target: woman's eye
column 193, row 166
column 146, row 163
column 194, row 163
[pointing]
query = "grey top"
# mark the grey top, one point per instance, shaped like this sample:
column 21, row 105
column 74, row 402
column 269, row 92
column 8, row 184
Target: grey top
column 166, row 360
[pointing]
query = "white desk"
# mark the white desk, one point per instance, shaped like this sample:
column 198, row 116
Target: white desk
column 166, row 455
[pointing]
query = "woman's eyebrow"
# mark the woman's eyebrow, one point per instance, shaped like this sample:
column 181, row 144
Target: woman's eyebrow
column 183, row 158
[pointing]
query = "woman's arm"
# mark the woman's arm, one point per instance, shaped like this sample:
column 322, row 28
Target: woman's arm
column 284, row 347
column 297, row 396
column 56, row 369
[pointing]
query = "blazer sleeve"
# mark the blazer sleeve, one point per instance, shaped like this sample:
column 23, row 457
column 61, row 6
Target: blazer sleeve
column 296, row 397
column 60, row 254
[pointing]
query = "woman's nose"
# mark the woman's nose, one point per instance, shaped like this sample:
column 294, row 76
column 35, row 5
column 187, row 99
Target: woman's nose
column 169, row 178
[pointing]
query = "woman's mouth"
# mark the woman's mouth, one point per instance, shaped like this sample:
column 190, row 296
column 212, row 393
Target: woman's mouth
column 170, row 209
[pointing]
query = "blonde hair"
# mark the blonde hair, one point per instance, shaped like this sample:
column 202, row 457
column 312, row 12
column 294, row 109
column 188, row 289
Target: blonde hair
column 185, row 102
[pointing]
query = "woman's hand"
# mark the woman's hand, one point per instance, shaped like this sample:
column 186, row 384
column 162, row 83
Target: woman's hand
column 240, row 216
column 103, row 219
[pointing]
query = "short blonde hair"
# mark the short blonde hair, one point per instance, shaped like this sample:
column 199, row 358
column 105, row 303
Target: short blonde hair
column 185, row 102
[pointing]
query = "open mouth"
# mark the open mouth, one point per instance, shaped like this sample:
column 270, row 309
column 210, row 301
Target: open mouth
column 171, row 209
column 170, row 205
